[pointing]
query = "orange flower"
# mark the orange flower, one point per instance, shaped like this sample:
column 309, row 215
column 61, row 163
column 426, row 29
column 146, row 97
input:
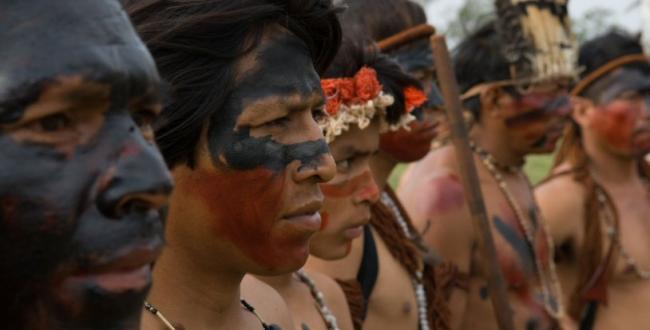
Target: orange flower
column 330, row 87
column 366, row 84
column 413, row 97
column 333, row 106
column 346, row 88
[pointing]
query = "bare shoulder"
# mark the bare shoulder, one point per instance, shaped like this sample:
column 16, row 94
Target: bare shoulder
column 268, row 302
column 561, row 200
column 334, row 297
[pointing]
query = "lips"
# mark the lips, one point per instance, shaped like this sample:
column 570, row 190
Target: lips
column 306, row 217
column 127, row 270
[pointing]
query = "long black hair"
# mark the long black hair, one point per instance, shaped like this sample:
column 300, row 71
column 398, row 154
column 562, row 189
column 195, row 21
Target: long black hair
column 197, row 43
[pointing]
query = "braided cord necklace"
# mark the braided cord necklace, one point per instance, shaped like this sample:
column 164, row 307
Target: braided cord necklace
column 609, row 217
column 549, row 280
column 325, row 312
column 153, row 310
column 416, row 280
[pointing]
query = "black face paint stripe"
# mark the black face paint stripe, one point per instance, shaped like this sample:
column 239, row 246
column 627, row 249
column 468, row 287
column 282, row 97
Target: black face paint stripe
column 246, row 152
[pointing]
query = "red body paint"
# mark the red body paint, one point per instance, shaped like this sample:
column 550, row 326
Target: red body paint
column 362, row 187
column 447, row 195
column 245, row 208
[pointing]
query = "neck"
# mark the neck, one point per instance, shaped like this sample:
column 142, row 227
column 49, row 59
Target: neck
column 188, row 293
column 495, row 145
column 608, row 167
column 279, row 283
column 382, row 165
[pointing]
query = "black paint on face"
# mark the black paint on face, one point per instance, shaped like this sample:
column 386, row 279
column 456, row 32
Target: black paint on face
column 617, row 83
column 247, row 152
column 80, row 186
column 271, row 78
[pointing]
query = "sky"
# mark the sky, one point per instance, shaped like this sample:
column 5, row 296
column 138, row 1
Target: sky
column 440, row 12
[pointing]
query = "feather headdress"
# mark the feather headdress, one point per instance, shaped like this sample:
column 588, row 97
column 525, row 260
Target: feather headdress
column 539, row 43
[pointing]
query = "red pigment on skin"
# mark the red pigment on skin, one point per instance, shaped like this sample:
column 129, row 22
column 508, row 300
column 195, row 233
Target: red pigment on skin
column 409, row 146
column 616, row 122
column 324, row 220
column 362, row 187
column 245, row 208
column 446, row 195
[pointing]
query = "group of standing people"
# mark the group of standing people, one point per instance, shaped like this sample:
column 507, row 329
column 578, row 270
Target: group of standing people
column 219, row 164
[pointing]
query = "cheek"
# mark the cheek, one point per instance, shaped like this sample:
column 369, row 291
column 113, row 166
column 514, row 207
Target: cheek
column 359, row 188
column 615, row 124
column 243, row 207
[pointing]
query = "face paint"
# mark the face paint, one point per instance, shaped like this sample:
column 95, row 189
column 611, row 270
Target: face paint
column 409, row 146
column 346, row 208
column 252, row 191
column 622, row 122
column 80, row 186
column 359, row 188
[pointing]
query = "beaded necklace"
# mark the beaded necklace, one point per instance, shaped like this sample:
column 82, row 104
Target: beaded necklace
column 418, row 286
column 325, row 312
column 153, row 310
column 548, row 279
column 609, row 219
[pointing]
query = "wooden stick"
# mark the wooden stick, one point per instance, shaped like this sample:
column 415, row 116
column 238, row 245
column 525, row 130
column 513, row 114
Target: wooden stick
column 407, row 36
column 471, row 184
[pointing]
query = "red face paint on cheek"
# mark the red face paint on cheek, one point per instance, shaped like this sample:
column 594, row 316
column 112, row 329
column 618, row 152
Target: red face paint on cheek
column 615, row 123
column 359, row 187
column 244, row 207
column 409, row 146
column 325, row 220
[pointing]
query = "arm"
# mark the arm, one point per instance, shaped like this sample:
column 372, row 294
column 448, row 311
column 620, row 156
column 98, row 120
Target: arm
column 438, row 203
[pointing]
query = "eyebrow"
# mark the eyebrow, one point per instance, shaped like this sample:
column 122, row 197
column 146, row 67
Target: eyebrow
column 349, row 151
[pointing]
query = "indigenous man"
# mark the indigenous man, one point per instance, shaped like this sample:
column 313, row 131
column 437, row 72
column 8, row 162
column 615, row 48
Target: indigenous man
column 241, row 136
column 358, row 107
column 597, row 201
column 515, row 74
column 385, row 268
column 81, row 180
column 356, row 104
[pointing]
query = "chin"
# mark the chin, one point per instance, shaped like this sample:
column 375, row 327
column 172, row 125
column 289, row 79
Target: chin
column 331, row 252
column 93, row 308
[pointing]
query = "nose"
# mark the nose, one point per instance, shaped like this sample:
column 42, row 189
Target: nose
column 368, row 191
column 321, row 169
column 138, row 182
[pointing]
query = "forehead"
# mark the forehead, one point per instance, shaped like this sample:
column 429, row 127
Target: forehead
column 43, row 39
column 280, row 65
column 356, row 140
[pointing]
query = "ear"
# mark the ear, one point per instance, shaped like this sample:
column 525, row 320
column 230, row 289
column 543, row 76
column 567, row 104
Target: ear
column 490, row 104
column 582, row 108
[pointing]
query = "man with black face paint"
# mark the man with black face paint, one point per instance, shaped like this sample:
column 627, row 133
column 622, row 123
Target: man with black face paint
column 601, row 222
column 81, row 180
column 241, row 136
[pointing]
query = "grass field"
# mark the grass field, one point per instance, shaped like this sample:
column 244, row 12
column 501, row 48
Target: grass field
column 536, row 168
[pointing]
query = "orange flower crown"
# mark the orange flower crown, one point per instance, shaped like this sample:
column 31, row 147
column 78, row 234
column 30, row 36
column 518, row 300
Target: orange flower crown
column 358, row 99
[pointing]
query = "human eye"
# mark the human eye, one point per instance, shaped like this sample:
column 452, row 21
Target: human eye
column 319, row 114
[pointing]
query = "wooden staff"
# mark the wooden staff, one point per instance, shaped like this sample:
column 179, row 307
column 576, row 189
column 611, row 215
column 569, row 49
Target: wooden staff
column 471, row 185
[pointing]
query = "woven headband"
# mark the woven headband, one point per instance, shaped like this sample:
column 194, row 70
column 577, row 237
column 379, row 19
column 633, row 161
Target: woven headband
column 605, row 69
column 405, row 37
